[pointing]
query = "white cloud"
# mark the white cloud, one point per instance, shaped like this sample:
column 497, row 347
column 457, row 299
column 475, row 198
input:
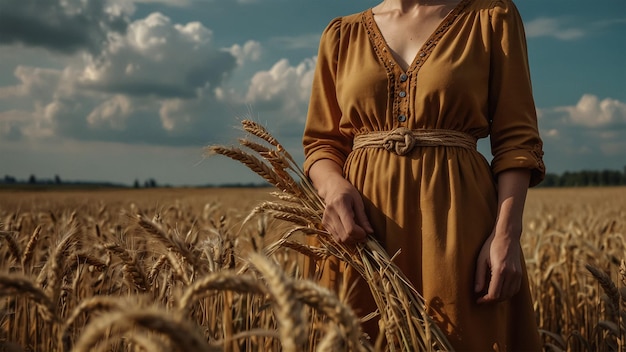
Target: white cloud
column 34, row 82
column 159, row 82
column 552, row 27
column 210, row 116
column 553, row 132
column 588, row 135
column 590, row 111
column 112, row 113
column 11, row 123
column 283, row 87
column 158, row 58
column 250, row 51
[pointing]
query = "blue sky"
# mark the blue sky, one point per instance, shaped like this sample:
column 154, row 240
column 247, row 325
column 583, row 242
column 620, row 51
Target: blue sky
column 120, row 90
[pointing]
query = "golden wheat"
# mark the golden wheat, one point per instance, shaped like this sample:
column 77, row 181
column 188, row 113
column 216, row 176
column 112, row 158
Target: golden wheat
column 72, row 274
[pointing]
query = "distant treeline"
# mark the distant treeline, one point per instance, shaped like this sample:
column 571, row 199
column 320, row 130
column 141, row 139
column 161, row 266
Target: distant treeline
column 582, row 178
column 56, row 182
column 585, row 178
column 33, row 182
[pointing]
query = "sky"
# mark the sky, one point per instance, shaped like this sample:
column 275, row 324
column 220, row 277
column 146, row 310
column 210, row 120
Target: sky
column 125, row 90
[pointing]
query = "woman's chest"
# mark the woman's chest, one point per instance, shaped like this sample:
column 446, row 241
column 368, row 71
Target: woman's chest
column 455, row 67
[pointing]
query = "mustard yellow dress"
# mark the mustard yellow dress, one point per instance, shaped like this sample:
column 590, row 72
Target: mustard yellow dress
column 437, row 204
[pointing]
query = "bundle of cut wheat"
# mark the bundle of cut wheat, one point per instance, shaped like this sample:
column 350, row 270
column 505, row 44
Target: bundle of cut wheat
column 401, row 309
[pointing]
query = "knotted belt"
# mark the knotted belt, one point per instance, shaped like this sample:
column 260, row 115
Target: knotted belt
column 402, row 140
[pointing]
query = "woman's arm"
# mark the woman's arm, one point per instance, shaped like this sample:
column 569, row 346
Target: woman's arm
column 499, row 267
column 344, row 215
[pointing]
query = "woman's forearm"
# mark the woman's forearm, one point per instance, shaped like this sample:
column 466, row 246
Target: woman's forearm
column 512, row 190
column 324, row 173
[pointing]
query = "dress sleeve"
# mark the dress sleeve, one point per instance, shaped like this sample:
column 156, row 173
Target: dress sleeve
column 322, row 138
column 515, row 140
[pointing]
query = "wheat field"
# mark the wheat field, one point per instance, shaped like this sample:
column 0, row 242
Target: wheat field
column 235, row 269
column 161, row 270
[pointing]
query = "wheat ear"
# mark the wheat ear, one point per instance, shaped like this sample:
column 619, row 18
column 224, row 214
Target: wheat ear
column 183, row 335
column 328, row 303
column 14, row 284
column 29, row 250
column 131, row 267
column 608, row 286
column 222, row 280
column 93, row 304
column 293, row 334
column 54, row 268
column 14, row 248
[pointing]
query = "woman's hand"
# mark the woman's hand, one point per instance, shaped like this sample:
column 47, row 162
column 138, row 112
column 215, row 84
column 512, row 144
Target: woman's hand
column 499, row 265
column 344, row 216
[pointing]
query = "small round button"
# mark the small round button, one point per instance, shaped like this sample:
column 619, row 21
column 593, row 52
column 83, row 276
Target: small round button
column 403, row 77
column 402, row 94
column 402, row 118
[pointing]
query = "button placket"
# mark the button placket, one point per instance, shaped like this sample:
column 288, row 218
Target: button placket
column 401, row 85
column 402, row 94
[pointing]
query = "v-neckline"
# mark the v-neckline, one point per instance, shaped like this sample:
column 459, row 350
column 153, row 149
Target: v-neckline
column 384, row 50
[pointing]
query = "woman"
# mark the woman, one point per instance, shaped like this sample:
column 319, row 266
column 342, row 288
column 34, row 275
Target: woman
column 400, row 95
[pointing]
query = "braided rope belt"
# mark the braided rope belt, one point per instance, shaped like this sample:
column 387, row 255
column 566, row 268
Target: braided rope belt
column 402, row 140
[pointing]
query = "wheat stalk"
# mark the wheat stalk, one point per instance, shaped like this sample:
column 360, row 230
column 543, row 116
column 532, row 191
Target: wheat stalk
column 93, row 304
column 300, row 211
column 288, row 311
column 131, row 268
column 183, row 335
column 154, row 270
column 251, row 161
column 609, row 288
column 29, row 250
column 315, row 253
column 148, row 343
column 85, row 259
column 223, row 280
column 156, row 230
column 260, row 131
column 53, row 270
column 14, row 248
column 328, row 303
column 333, row 341
column 14, row 284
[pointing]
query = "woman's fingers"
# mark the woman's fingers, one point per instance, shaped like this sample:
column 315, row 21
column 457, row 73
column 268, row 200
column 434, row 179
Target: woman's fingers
column 361, row 217
column 495, row 290
column 498, row 270
column 344, row 225
column 504, row 284
column 344, row 217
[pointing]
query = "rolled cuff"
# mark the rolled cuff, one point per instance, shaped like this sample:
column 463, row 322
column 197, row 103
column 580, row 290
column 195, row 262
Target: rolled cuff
column 531, row 159
column 326, row 153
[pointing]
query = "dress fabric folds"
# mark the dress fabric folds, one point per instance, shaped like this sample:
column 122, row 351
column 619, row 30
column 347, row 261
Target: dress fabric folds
column 436, row 204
